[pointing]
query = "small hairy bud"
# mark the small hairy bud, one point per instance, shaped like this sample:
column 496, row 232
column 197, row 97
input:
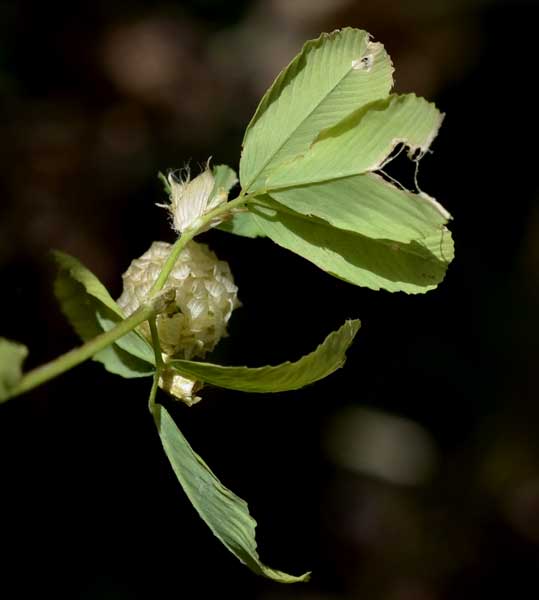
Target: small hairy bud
column 205, row 296
column 191, row 199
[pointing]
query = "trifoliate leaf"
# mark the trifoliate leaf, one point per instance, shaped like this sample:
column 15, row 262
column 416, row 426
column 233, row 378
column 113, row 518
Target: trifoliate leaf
column 12, row 355
column 90, row 309
column 416, row 267
column 332, row 76
column 326, row 359
column 226, row 514
column 314, row 145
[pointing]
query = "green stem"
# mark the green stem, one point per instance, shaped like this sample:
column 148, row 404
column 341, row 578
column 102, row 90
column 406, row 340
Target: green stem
column 153, row 392
column 157, row 304
column 156, row 344
column 76, row 356
column 188, row 235
column 158, row 362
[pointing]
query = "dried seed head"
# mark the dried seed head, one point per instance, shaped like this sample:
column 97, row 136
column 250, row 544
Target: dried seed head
column 205, row 296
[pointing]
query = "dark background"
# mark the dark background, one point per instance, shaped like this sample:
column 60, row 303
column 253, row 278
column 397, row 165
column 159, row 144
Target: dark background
column 412, row 473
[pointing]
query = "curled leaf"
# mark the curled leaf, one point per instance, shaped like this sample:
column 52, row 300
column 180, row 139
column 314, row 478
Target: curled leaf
column 225, row 513
column 327, row 358
column 91, row 310
column 414, row 268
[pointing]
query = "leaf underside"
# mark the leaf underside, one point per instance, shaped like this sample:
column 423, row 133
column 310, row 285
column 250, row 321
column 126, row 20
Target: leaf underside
column 331, row 77
column 225, row 179
column 366, row 204
column 312, row 162
column 362, row 141
column 413, row 268
column 225, row 513
column 242, row 223
column 90, row 309
column 327, row 358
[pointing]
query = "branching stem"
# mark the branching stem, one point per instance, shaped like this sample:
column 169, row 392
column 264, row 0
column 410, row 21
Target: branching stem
column 188, row 235
column 147, row 312
column 78, row 355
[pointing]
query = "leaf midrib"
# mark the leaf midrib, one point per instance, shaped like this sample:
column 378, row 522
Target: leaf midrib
column 295, row 129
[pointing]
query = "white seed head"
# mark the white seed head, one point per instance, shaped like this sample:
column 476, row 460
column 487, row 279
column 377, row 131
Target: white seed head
column 205, row 296
column 191, row 199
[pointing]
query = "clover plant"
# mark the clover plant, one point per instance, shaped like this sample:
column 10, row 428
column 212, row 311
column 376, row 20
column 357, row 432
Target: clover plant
column 311, row 179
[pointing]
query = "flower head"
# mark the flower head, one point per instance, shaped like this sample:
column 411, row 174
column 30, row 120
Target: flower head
column 205, row 296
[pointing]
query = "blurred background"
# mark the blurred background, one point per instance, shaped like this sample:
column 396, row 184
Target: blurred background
column 410, row 474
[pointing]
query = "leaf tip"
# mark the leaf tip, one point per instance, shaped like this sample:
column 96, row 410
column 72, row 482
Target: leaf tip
column 282, row 577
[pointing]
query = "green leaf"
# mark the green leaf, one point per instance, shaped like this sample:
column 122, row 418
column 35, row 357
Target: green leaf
column 331, row 77
column 242, row 223
column 164, row 181
column 368, row 205
column 363, row 141
column 90, row 309
column 415, row 267
column 327, row 358
column 12, row 355
column 133, row 343
column 226, row 514
column 225, row 179
column 77, row 271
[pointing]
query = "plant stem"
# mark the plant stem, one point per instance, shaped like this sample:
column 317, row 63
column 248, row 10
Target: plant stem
column 156, row 344
column 188, row 235
column 153, row 392
column 157, row 303
column 158, row 363
column 78, row 355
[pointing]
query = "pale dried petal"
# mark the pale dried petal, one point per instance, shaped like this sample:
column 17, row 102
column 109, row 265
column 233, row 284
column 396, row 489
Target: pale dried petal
column 180, row 387
column 190, row 199
column 205, row 296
